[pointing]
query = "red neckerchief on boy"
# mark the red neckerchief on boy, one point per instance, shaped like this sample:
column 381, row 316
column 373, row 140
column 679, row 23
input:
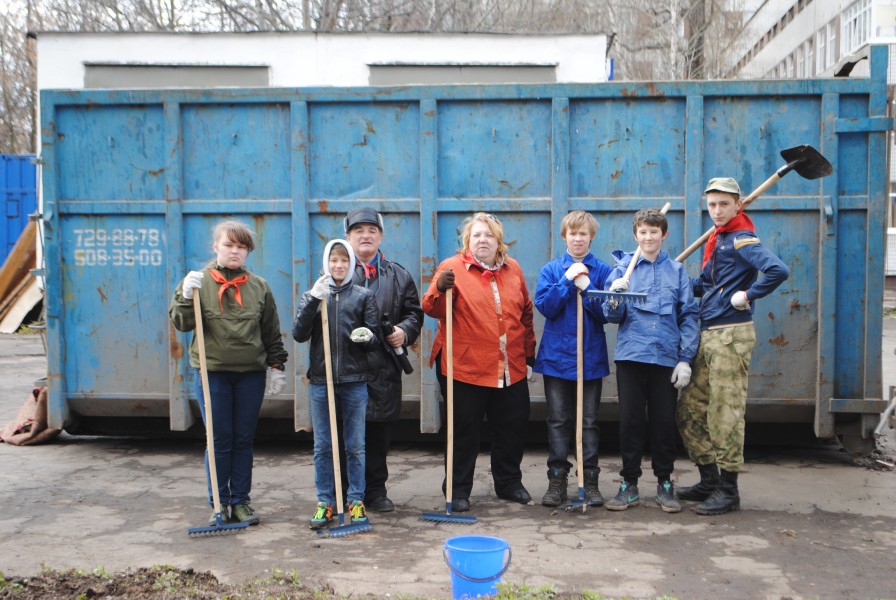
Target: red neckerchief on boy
column 739, row 222
column 234, row 283
column 487, row 272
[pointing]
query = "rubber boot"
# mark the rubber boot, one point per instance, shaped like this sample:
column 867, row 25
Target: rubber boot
column 592, row 494
column 724, row 499
column 558, row 479
column 709, row 481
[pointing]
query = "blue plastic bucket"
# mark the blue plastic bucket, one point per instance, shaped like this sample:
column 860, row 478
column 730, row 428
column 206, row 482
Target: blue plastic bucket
column 476, row 563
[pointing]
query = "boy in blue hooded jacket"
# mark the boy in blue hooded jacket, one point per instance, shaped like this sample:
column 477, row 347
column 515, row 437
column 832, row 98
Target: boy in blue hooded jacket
column 655, row 344
column 555, row 297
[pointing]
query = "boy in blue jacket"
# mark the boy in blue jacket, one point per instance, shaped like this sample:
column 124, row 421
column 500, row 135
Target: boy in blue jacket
column 555, row 298
column 655, row 344
column 712, row 408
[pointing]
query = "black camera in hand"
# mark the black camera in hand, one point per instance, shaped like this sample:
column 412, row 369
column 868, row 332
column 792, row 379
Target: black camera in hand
column 398, row 354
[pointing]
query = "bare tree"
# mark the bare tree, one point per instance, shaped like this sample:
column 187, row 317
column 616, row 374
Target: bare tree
column 649, row 39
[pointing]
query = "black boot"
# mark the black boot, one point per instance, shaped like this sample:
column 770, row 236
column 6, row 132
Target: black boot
column 592, row 494
column 709, row 481
column 725, row 497
column 558, row 479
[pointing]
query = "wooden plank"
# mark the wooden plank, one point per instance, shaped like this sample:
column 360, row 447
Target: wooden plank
column 17, row 313
column 20, row 261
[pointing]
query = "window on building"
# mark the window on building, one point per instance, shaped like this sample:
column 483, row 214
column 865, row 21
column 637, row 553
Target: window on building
column 800, row 62
column 855, row 25
column 810, row 57
column 788, row 67
column 832, row 44
column 821, row 54
column 116, row 76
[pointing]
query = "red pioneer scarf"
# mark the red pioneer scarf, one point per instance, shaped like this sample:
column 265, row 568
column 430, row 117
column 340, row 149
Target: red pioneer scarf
column 234, row 283
column 739, row 222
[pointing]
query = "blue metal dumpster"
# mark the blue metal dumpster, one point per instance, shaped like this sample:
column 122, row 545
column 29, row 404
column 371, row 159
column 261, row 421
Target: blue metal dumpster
column 18, row 188
column 135, row 180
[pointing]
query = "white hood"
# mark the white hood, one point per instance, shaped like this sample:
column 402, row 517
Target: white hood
column 351, row 257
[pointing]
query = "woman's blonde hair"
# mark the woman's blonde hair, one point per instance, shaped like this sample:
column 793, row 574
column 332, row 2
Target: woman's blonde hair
column 235, row 231
column 493, row 224
column 577, row 219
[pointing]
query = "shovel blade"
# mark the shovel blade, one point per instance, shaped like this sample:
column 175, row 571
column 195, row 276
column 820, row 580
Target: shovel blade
column 810, row 164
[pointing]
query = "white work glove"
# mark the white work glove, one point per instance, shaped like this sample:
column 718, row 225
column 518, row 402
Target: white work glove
column 321, row 287
column 574, row 270
column 530, row 375
column 578, row 274
column 619, row 285
column 681, row 375
column 192, row 281
column 361, row 335
column 276, row 381
column 740, row 301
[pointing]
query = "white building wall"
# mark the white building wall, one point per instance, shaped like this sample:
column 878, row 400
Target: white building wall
column 814, row 15
column 309, row 59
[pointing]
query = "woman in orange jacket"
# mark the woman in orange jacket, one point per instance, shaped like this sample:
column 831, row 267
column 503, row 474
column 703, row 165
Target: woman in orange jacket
column 494, row 350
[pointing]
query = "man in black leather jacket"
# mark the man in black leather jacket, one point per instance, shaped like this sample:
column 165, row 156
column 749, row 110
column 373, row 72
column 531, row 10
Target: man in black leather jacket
column 398, row 300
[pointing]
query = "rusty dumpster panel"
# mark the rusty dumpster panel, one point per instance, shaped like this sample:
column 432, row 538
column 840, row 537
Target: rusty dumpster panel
column 135, row 179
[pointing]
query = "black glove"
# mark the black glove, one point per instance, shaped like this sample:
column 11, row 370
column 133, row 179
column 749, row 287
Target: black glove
column 446, row 281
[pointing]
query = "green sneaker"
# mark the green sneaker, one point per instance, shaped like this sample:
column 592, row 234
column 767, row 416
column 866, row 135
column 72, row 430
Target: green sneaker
column 665, row 498
column 323, row 515
column 626, row 496
column 225, row 516
column 244, row 513
column 358, row 512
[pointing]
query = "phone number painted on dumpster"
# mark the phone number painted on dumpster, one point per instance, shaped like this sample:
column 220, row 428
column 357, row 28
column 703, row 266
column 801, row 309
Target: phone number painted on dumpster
column 117, row 247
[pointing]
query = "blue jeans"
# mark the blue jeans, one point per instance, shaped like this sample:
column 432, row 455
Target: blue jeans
column 351, row 402
column 236, row 401
column 560, row 395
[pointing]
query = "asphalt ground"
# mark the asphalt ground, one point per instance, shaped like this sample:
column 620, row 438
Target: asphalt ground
column 811, row 525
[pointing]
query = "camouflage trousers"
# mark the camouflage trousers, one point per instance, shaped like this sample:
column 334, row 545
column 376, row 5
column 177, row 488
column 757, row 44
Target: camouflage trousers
column 711, row 409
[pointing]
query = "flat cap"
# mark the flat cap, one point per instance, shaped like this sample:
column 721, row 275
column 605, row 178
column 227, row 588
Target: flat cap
column 723, row 184
column 362, row 215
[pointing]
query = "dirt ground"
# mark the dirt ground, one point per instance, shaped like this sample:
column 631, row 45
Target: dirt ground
column 113, row 513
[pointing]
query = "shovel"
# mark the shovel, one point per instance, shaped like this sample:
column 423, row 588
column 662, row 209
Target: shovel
column 341, row 530
column 632, row 297
column 805, row 160
column 220, row 527
column 449, row 406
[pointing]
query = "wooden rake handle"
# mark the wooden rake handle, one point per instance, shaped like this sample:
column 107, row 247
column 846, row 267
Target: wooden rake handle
column 207, row 402
column 580, row 390
column 449, row 400
column 331, row 403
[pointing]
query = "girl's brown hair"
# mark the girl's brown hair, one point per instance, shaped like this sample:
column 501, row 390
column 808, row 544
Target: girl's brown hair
column 235, row 231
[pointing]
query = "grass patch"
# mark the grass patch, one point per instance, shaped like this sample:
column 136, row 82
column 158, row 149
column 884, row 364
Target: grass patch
column 165, row 582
